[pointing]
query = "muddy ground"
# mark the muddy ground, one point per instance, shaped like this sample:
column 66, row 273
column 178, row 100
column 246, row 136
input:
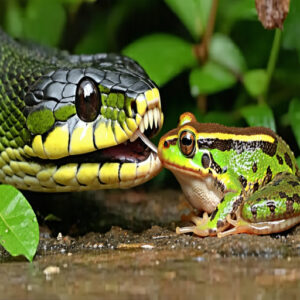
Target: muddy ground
column 122, row 244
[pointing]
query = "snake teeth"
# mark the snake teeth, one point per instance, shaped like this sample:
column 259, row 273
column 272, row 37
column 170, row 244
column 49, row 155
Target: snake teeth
column 151, row 120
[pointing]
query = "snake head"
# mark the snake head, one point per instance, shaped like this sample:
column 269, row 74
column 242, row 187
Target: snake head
column 84, row 116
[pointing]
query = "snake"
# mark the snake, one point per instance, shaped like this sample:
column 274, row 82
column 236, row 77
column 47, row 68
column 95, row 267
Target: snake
column 75, row 122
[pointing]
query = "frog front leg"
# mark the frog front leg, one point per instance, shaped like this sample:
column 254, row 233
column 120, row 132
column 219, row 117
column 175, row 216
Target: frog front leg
column 216, row 222
column 271, row 209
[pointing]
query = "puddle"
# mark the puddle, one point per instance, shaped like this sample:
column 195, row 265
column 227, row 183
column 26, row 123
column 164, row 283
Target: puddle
column 150, row 274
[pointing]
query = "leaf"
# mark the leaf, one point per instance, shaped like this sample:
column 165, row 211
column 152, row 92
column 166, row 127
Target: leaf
column 44, row 21
column 290, row 38
column 298, row 161
column 209, row 79
column 224, row 52
column 294, row 115
column 231, row 11
column 255, row 82
column 163, row 56
column 259, row 115
column 14, row 18
column 19, row 230
column 192, row 13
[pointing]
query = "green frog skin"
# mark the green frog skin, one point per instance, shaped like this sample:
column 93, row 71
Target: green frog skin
column 242, row 180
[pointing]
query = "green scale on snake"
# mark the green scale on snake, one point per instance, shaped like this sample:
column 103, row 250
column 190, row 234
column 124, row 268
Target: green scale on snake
column 74, row 122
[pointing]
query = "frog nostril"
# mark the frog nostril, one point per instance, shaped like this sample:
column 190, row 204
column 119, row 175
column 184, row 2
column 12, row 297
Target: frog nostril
column 166, row 144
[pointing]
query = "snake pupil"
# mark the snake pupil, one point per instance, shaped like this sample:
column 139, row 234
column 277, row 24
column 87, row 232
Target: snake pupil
column 87, row 100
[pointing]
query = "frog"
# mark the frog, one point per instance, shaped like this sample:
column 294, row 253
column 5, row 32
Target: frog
column 238, row 180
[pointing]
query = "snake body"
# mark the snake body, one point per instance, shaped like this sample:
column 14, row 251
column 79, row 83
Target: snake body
column 70, row 122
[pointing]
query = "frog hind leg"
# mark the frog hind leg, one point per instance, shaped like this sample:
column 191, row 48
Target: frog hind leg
column 273, row 208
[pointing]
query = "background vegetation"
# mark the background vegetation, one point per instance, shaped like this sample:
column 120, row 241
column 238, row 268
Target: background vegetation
column 210, row 57
column 231, row 71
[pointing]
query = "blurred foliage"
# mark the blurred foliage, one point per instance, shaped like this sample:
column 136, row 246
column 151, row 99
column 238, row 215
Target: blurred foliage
column 248, row 77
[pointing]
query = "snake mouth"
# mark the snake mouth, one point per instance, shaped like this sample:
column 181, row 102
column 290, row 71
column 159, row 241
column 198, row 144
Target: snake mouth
column 125, row 165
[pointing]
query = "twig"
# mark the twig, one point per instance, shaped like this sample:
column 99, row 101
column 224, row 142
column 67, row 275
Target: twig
column 272, row 59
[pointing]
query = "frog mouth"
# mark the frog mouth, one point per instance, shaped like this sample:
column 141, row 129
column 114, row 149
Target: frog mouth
column 203, row 190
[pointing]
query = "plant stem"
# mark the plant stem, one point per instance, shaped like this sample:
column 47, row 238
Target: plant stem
column 210, row 28
column 201, row 50
column 272, row 59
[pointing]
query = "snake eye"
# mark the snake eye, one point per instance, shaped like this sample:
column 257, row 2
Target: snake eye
column 187, row 143
column 87, row 100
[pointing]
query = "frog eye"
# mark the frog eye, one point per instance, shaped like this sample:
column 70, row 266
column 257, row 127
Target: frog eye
column 87, row 100
column 187, row 143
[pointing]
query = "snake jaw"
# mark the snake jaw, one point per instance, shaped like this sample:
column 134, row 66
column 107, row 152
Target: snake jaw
column 123, row 165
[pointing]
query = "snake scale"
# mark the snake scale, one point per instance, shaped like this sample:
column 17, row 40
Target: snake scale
column 74, row 122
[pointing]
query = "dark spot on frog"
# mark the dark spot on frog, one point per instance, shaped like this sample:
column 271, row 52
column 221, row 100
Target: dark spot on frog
column 288, row 160
column 237, row 203
column 289, row 206
column 215, row 166
column 205, row 160
column 283, row 195
column 293, row 183
column 254, row 211
column 170, row 142
column 276, row 182
column 271, row 205
column 280, row 160
column 214, row 214
column 254, row 167
column 243, row 181
column 296, row 198
column 255, row 187
column 220, row 224
column 268, row 177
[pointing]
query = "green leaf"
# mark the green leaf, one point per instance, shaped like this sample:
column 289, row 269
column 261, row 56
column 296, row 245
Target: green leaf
column 259, row 115
column 44, row 21
column 163, row 56
column 19, row 230
column 298, row 161
column 209, row 79
column 231, row 11
column 294, row 115
column 14, row 19
column 192, row 13
column 224, row 52
column 290, row 37
column 255, row 82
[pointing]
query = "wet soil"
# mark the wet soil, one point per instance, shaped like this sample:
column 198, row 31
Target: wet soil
column 122, row 244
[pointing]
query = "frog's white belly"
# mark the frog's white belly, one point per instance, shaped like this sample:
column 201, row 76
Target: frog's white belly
column 200, row 192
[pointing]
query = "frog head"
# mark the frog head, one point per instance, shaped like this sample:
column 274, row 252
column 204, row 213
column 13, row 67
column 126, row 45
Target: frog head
column 182, row 152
